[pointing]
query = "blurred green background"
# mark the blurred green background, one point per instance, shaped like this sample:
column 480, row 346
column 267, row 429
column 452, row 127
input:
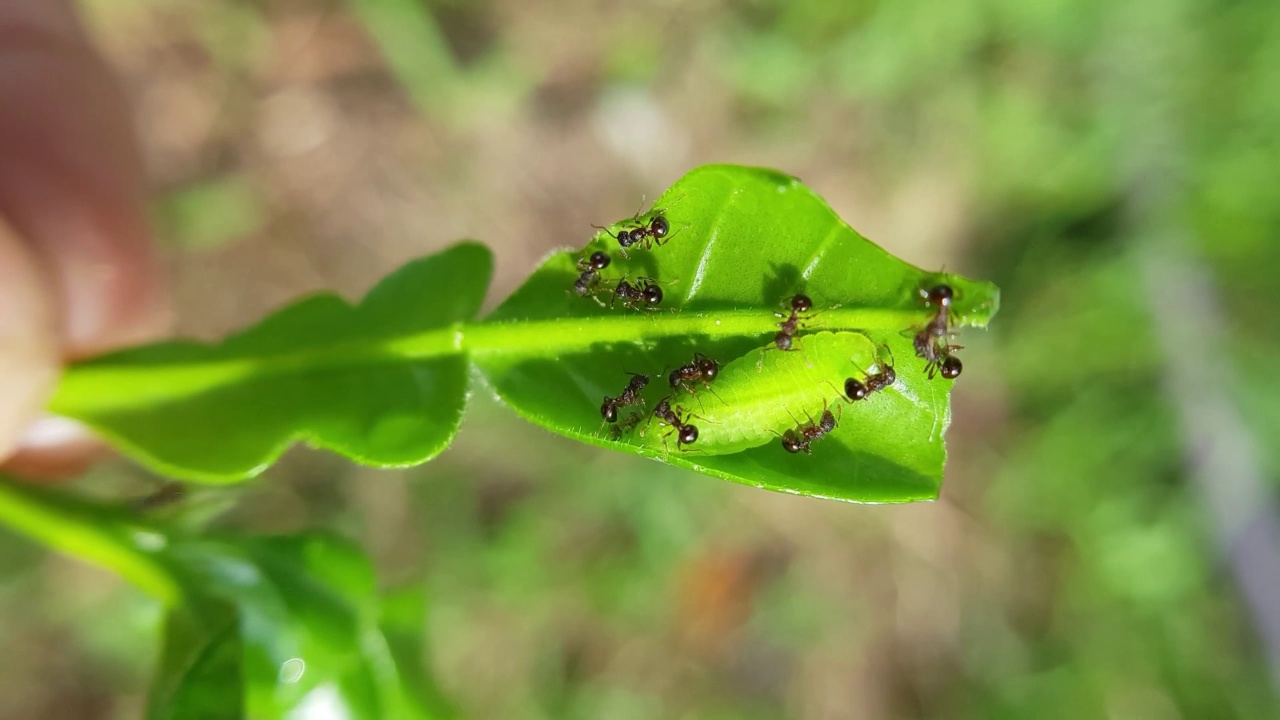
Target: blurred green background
column 1105, row 545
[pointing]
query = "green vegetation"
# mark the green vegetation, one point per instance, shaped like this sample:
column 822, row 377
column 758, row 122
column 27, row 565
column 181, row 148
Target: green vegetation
column 1112, row 166
column 384, row 383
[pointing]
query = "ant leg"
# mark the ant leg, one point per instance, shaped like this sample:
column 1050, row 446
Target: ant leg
column 646, row 425
column 606, row 424
column 692, row 416
column 685, row 226
column 932, row 369
column 888, row 350
column 713, row 392
column 694, row 393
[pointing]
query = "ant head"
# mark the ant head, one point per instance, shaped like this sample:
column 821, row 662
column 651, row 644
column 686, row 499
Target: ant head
column 599, row 260
column 782, row 340
column 659, row 226
column 609, row 411
column 801, row 303
column 854, row 390
column 951, row 367
column 688, row 434
column 675, row 377
column 652, row 294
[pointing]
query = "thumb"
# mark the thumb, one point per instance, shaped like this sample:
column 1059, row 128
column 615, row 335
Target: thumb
column 29, row 339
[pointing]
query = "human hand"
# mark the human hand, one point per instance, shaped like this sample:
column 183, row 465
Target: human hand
column 78, row 274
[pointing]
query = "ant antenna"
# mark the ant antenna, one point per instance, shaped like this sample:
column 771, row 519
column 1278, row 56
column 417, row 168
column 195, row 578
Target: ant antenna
column 887, row 349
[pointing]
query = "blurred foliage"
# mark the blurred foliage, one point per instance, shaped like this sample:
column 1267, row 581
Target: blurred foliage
column 743, row 241
column 1068, row 570
column 211, row 213
column 262, row 627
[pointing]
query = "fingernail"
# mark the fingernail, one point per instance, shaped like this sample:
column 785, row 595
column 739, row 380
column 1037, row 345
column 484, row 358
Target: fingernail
column 29, row 355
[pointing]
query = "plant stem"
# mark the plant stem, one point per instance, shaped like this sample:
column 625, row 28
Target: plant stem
column 60, row 523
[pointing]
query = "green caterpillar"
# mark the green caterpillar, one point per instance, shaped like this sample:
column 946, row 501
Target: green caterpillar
column 753, row 404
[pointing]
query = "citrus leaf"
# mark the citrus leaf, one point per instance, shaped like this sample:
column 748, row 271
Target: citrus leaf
column 262, row 627
column 382, row 382
column 741, row 242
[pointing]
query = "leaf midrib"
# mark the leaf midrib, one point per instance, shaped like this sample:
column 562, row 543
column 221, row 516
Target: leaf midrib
column 101, row 385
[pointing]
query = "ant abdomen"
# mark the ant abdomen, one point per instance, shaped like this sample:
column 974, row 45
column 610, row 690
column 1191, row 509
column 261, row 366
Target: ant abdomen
column 792, row 444
column 659, row 227
column 854, row 390
column 951, row 367
column 688, row 435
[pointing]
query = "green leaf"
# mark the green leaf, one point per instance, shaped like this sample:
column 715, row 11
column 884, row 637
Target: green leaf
column 742, row 241
column 256, row 627
column 384, row 383
column 199, row 674
column 339, row 377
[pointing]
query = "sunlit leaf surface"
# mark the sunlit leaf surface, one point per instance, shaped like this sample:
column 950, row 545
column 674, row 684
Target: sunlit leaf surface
column 384, row 382
column 274, row 627
column 743, row 241
column 320, row 371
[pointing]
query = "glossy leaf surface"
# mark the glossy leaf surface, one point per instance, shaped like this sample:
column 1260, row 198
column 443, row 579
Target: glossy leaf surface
column 742, row 241
column 274, row 627
column 382, row 382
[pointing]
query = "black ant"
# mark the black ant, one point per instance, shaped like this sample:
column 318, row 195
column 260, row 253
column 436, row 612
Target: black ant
column 686, row 433
column 930, row 342
column 856, row 390
column 649, row 235
column 166, row 494
column 799, row 304
column 789, row 326
column 700, row 369
column 590, row 268
column 644, row 293
column 655, row 232
column 803, row 437
column 629, row 396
